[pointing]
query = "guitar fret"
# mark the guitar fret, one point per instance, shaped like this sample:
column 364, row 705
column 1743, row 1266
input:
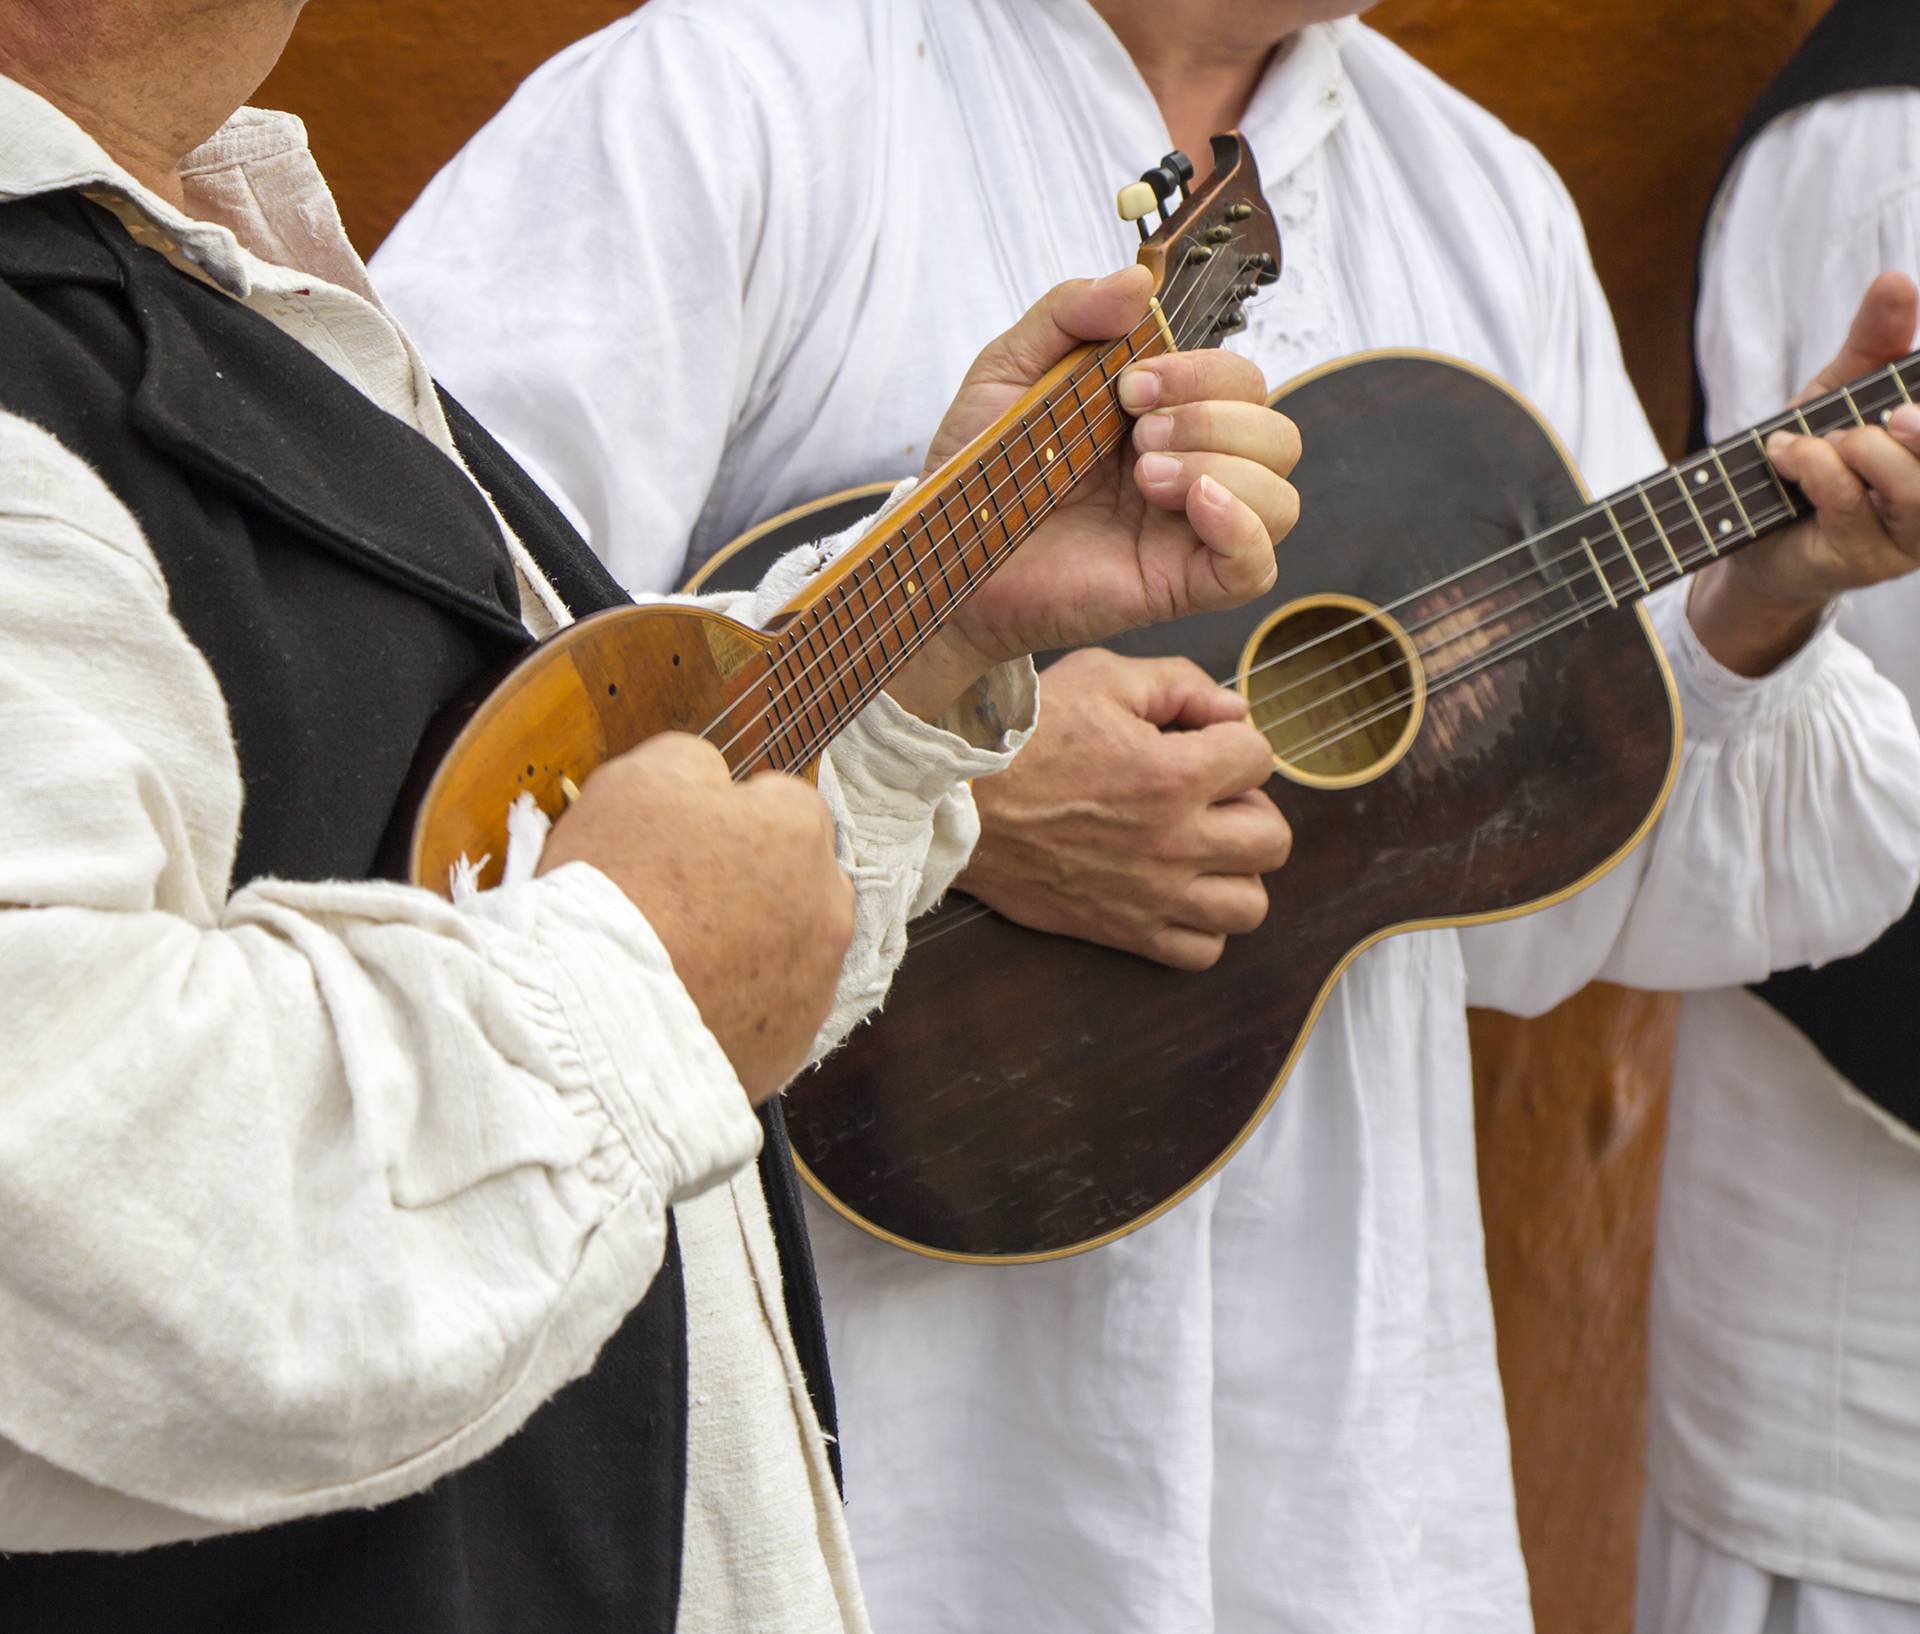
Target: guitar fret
column 1012, row 480
column 1653, row 516
column 1699, row 521
column 953, row 539
column 1633, row 561
column 832, row 633
column 1894, row 370
column 1055, row 444
column 1733, row 493
column 1778, row 486
column 1852, row 407
column 809, row 717
column 1612, row 599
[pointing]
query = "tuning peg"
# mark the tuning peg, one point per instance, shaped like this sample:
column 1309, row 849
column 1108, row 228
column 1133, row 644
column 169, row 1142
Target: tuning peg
column 1266, row 270
column 1180, row 167
column 1135, row 201
column 1164, row 181
column 1231, row 324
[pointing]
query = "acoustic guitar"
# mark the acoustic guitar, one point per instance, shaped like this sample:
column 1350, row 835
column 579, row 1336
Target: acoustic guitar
column 1469, row 719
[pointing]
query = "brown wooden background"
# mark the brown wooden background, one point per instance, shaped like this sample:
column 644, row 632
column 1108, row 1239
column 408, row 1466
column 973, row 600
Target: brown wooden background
column 1633, row 101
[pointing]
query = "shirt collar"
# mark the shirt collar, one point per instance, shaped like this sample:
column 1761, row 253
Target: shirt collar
column 43, row 151
column 1301, row 98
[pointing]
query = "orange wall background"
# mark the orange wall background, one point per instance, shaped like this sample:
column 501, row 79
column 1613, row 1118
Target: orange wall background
column 1634, row 102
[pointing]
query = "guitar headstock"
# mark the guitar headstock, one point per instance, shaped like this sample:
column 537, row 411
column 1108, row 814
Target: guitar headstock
column 1214, row 249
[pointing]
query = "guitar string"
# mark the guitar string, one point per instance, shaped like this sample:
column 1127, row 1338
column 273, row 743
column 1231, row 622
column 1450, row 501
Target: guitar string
column 1774, row 512
column 1733, row 504
column 966, row 912
column 934, row 545
column 1669, row 509
column 1015, row 535
column 1680, row 514
column 1610, row 558
column 812, row 745
column 1580, row 613
column 1501, row 611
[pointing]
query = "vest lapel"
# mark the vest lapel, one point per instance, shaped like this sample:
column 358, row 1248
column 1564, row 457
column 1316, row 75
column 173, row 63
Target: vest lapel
column 245, row 406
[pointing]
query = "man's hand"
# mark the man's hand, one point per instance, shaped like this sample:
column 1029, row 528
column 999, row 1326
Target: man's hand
column 1117, row 826
column 1184, row 521
column 1754, row 609
column 738, row 880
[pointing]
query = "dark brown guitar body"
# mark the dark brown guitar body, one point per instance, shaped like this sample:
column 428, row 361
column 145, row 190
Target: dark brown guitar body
column 1025, row 1096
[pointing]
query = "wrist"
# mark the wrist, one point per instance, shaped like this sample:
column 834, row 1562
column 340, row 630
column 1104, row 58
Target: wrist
column 938, row 676
column 1742, row 627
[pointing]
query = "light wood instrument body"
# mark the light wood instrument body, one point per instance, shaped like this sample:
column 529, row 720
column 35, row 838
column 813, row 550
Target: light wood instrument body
column 594, row 690
column 1025, row 1096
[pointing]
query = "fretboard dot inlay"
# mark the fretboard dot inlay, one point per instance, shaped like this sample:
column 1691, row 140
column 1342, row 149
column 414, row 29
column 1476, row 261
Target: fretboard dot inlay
column 1725, row 525
column 1699, row 479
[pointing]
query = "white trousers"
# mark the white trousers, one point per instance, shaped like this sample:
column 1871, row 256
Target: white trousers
column 1687, row 1586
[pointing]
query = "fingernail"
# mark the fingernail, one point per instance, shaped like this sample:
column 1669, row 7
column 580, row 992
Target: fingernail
column 1139, row 390
column 1211, row 493
column 1154, row 431
column 1114, row 280
column 1160, row 468
column 1905, row 420
column 1778, row 444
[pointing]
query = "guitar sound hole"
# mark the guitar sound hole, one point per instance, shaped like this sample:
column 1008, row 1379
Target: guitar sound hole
column 1337, row 688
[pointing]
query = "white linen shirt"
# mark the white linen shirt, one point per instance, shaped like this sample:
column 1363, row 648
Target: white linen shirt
column 314, row 1191
column 1276, row 1407
column 1785, row 1402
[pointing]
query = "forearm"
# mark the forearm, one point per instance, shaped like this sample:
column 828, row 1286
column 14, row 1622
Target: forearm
column 1746, row 633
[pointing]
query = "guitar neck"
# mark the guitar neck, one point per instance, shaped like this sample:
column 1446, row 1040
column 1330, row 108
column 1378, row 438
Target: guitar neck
column 1719, row 500
column 870, row 610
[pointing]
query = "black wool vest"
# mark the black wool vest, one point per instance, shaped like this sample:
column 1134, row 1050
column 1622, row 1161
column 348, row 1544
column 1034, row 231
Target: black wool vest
column 346, row 583
column 1859, row 1012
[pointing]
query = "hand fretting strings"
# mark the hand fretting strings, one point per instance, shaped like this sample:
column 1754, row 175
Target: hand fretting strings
column 1219, row 269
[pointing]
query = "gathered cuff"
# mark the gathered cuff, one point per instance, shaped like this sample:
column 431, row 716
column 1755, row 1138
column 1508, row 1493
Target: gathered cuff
column 1714, row 701
column 644, row 1053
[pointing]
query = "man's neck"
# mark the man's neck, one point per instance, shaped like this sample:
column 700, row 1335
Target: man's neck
column 1202, row 59
column 149, row 80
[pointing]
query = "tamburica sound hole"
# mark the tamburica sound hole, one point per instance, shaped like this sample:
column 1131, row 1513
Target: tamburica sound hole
column 1336, row 686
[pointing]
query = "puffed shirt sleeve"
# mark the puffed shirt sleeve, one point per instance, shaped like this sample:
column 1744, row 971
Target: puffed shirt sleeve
column 1791, row 837
column 314, row 1191
column 1792, row 833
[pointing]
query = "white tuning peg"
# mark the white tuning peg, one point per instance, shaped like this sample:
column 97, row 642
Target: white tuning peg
column 1135, row 200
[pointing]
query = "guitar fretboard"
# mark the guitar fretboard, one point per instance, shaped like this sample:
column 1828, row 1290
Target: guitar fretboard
column 925, row 558
column 1713, row 502
column 954, row 535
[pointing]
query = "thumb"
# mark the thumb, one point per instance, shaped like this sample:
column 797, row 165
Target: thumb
column 1176, row 693
column 1065, row 317
column 1882, row 331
